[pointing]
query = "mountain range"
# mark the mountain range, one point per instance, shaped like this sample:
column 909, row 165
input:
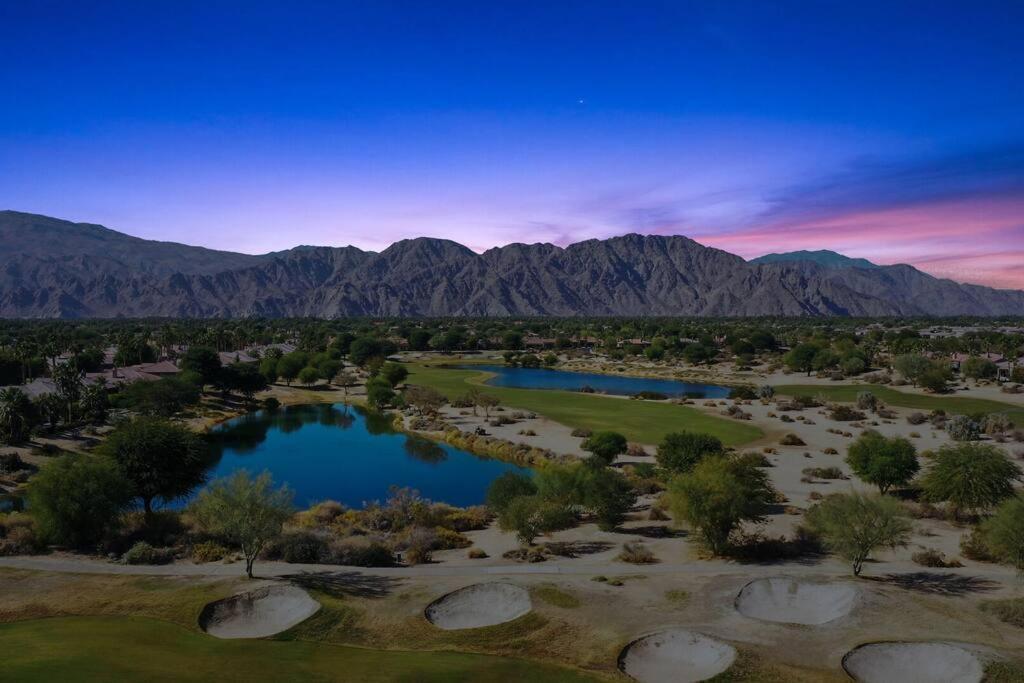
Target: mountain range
column 823, row 257
column 50, row 268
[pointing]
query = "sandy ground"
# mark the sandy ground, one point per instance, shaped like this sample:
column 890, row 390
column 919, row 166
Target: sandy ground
column 259, row 612
column 482, row 604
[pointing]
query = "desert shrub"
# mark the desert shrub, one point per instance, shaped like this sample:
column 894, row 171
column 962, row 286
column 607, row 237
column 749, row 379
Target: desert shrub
column 973, row 546
column 1004, row 532
column 208, row 551
column 297, row 547
column 476, row 554
column 582, row 432
column 637, row 553
column 271, row 403
column 843, row 413
column 356, row 552
column 765, row 391
column 18, row 535
column 997, row 423
column 792, row 440
column 635, row 450
column 650, row 396
column 144, row 553
column 11, row 463
column 743, row 393
column 886, row 414
column 963, row 428
column 1010, row 611
column 830, row 451
column 867, row 401
column 75, row 500
column 447, row 539
column 832, row 472
column 930, row 557
column 680, row 451
column 754, row 459
column 420, row 545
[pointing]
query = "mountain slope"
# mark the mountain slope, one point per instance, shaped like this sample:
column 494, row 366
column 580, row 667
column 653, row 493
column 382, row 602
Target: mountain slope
column 822, row 257
column 56, row 269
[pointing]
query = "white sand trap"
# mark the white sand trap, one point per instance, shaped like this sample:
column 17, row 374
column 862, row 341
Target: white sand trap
column 259, row 613
column 676, row 655
column 788, row 601
column 913, row 663
column 482, row 604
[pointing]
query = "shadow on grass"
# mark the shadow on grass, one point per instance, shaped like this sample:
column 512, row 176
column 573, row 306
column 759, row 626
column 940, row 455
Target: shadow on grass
column 935, row 583
column 341, row 584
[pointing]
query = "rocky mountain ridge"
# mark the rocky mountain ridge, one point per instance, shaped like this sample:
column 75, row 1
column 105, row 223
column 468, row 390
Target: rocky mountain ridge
column 57, row 269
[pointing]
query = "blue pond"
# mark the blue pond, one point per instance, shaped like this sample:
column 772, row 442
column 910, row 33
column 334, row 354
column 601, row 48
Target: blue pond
column 540, row 378
column 349, row 455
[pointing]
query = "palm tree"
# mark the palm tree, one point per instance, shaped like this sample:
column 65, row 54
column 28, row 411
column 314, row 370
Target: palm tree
column 15, row 415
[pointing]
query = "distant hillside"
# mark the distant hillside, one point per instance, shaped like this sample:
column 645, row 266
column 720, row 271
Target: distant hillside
column 822, row 257
column 56, row 269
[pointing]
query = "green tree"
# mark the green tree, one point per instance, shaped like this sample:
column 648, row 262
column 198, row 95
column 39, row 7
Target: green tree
column 308, row 376
column 853, row 525
column 507, row 487
column 912, row 366
column 161, row 459
column 605, row 446
column 717, row 495
column 531, row 516
column 268, row 368
column 394, row 373
column 165, row 397
column 290, row 365
column 203, row 361
column 935, row 379
column 379, row 393
column 884, row 462
column 365, row 348
column 608, row 495
column 245, row 511
column 75, row 500
column 977, row 368
column 801, row 358
column 971, row 477
column 1003, row 532
column 679, row 452
column 94, row 402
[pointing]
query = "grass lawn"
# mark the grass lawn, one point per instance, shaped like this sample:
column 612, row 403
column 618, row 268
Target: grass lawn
column 847, row 393
column 140, row 649
column 642, row 421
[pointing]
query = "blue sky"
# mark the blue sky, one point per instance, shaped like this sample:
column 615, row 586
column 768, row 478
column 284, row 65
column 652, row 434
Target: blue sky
column 893, row 133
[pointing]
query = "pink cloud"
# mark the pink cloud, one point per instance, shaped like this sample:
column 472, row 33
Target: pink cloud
column 973, row 240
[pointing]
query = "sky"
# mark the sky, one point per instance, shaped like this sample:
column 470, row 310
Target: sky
column 892, row 131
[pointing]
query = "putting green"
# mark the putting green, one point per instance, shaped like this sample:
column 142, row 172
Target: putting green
column 642, row 421
column 847, row 393
column 139, row 649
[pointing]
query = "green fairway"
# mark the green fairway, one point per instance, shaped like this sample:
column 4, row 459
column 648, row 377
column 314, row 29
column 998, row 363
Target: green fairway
column 642, row 421
column 139, row 649
column 847, row 393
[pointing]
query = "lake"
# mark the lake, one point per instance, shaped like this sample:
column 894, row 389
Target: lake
column 541, row 378
column 350, row 455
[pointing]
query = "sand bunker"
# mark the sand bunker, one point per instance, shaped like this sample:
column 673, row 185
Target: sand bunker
column 676, row 655
column 913, row 663
column 789, row 601
column 482, row 604
column 259, row 613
